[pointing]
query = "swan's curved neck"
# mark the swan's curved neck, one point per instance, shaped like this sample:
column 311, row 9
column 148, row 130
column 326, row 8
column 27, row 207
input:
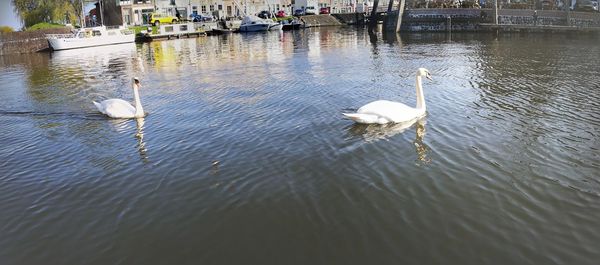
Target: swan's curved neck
column 420, row 97
column 139, row 111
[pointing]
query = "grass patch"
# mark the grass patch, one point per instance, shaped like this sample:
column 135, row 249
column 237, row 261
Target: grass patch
column 138, row 29
column 44, row 25
column 277, row 19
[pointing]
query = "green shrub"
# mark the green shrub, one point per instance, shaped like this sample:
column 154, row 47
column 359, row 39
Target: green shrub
column 45, row 25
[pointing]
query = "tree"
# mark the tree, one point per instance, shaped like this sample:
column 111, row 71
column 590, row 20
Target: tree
column 52, row 11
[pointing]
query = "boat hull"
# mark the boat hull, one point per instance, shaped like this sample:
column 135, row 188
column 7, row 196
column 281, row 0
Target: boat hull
column 254, row 27
column 276, row 27
column 66, row 43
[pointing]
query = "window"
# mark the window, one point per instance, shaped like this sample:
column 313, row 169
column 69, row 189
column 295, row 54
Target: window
column 220, row 7
column 183, row 28
column 203, row 9
column 169, row 29
column 96, row 33
column 212, row 8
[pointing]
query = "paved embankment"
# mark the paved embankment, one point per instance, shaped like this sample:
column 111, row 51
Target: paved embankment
column 320, row 20
column 350, row 18
column 27, row 42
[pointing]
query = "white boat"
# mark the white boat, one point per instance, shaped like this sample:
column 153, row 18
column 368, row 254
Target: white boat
column 90, row 37
column 254, row 23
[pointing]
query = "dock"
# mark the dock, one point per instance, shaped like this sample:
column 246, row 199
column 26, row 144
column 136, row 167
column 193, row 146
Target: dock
column 168, row 36
column 173, row 31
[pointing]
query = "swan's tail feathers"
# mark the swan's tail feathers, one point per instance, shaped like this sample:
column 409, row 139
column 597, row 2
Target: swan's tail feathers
column 99, row 106
column 362, row 118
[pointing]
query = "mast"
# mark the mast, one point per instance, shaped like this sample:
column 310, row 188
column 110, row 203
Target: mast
column 101, row 13
column 240, row 8
column 82, row 17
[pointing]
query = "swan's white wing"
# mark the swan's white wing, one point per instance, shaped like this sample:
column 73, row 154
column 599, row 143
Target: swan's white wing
column 391, row 111
column 365, row 118
column 117, row 108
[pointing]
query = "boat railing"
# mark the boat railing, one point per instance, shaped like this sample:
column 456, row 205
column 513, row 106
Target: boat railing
column 59, row 36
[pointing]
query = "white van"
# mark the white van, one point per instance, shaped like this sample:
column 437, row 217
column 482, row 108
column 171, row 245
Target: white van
column 310, row 10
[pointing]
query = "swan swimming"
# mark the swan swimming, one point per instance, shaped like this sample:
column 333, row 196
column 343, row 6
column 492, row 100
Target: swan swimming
column 385, row 111
column 121, row 109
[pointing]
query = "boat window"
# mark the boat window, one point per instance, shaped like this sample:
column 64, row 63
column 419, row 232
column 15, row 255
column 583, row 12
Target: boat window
column 169, row 29
column 112, row 33
column 96, row 33
column 183, row 28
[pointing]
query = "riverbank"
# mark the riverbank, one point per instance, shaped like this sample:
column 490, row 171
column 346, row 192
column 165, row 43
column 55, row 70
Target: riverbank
column 413, row 20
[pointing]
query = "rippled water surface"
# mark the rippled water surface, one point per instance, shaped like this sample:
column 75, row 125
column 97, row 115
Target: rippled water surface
column 244, row 156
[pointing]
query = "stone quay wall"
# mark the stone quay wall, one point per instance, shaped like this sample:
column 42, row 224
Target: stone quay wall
column 28, row 41
column 444, row 19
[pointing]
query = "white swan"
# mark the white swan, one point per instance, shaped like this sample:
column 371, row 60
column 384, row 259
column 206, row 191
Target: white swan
column 384, row 111
column 121, row 109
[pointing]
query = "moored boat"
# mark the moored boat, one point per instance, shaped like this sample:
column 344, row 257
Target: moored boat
column 276, row 26
column 291, row 24
column 90, row 37
column 254, row 23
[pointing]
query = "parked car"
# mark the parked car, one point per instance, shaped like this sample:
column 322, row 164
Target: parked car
column 265, row 14
column 298, row 12
column 156, row 19
column 324, row 10
column 310, row 10
column 281, row 13
column 201, row 17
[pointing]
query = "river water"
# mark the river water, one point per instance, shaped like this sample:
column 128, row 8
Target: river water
column 244, row 156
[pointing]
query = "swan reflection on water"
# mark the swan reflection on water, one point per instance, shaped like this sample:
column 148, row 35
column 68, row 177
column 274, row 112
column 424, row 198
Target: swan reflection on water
column 376, row 132
column 139, row 135
column 123, row 126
